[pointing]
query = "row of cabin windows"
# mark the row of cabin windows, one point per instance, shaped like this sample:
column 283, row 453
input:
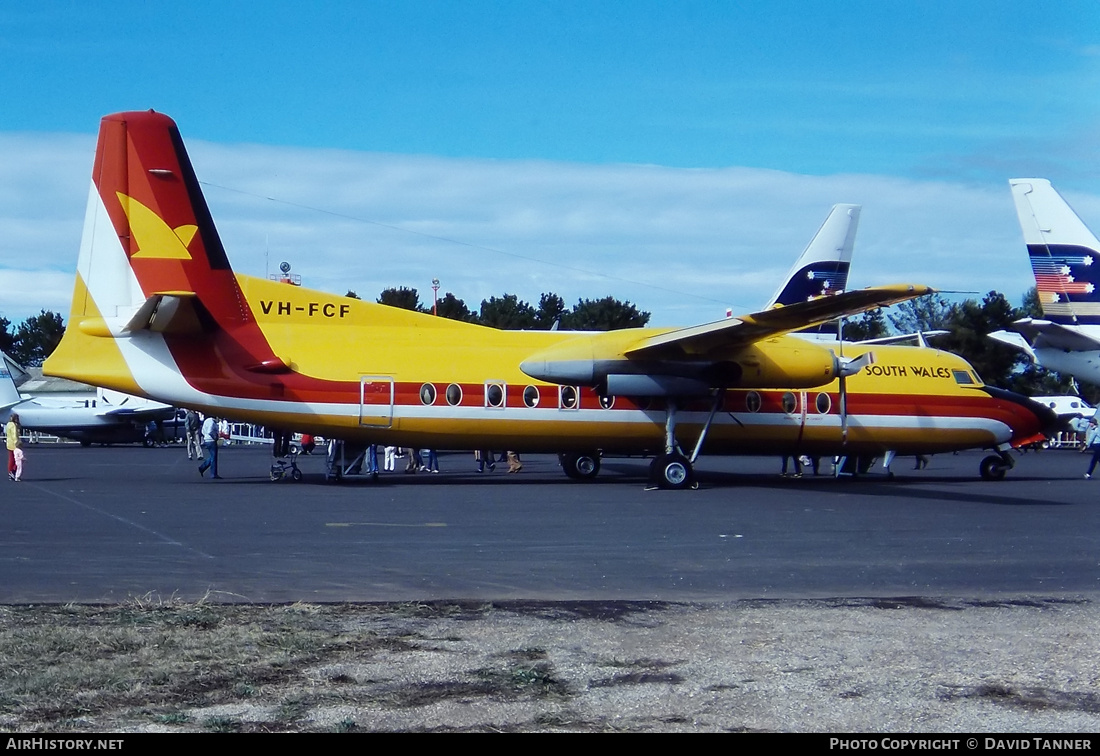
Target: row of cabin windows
column 568, row 396
column 822, row 402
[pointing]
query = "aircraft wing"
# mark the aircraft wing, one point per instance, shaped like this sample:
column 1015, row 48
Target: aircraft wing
column 140, row 413
column 1044, row 333
column 699, row 341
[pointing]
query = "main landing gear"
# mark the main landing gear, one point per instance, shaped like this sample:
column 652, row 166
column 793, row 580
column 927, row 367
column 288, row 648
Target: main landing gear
column 583, row 466
column 995, row 466
column 671, row 470
column 674, row 470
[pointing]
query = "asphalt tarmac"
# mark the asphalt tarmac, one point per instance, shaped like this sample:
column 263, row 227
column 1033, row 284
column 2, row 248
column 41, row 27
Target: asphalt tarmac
column 111, row 524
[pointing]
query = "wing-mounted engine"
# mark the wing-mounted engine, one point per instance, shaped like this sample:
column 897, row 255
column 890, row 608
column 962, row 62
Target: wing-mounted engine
column 781, row 362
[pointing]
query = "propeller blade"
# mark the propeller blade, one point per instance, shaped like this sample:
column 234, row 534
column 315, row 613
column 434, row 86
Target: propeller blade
column 851, row 367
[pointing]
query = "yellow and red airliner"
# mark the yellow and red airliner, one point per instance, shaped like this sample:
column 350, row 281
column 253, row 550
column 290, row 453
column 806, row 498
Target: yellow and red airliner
column 158, row 311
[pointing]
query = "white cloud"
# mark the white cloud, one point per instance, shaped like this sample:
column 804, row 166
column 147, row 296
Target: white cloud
column 683, row 244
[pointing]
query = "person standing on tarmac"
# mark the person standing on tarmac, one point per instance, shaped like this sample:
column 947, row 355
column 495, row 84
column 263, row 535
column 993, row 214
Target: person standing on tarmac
column 1092, row 444
column 11, row 438
column 210, row 444
column 191, row 425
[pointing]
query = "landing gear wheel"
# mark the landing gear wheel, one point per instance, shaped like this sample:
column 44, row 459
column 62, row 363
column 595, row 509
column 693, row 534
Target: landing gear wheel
column 993, row 468
column 672, row 471
column 581, row 466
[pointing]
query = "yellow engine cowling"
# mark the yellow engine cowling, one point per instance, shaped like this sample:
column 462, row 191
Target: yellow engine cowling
column 785, row 362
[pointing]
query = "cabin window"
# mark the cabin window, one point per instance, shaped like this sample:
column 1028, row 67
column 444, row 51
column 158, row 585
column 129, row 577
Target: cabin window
column 824, row 404
column 494, row 395
column 427, row 394
column 790, row 402
column 568, row 397
column 752, row 401
column 962, row 378
column 607, row 402
column 454, row 395
column 531, row 396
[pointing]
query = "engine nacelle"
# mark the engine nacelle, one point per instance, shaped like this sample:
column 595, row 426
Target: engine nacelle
column 654, row 385
column 786, row 362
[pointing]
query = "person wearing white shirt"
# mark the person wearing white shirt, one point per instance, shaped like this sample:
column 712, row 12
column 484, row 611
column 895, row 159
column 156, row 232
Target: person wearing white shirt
column 210, row 444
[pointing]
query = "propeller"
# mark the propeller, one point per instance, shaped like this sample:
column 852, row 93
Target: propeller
column 845, row 368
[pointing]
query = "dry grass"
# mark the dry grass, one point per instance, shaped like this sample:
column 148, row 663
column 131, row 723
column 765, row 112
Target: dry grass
column 843, row 665
column 154, row 664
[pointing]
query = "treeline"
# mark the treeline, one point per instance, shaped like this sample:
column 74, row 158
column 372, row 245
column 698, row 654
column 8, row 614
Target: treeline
column 33, row 340
column 512, row 313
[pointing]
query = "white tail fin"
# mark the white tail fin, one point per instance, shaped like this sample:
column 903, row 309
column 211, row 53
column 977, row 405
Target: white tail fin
column 1064, row 253
column 822, row 268
column 9, row 394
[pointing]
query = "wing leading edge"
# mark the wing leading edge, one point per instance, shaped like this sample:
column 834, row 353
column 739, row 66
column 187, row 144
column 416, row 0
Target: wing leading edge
column 741, row 332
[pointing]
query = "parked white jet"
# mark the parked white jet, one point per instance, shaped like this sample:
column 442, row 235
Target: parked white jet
column 110, row 418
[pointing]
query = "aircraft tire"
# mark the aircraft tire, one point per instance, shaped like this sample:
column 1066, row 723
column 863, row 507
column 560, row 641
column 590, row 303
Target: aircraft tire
column 673, row 472
column 581, row 466
column 992, row 468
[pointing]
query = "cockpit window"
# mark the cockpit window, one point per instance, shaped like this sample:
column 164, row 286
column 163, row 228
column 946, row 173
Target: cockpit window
column 963, row 378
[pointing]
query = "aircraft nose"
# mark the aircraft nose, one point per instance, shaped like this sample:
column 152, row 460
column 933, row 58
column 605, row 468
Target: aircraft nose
column 1030, row 421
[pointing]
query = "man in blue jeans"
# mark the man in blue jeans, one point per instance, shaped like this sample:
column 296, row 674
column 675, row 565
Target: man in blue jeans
column 210, row 444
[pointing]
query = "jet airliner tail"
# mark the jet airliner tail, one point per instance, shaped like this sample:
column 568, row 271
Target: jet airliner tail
column 1064, row 253
column 822, row 268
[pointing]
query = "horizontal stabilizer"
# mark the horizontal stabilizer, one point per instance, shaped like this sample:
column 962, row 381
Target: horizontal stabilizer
column 178, row 313
column 1016, row 341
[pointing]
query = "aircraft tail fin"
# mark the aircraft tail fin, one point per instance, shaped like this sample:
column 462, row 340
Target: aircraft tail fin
column 1064, row 253
column 150, row 258
column 9, row 394
column 822, row 268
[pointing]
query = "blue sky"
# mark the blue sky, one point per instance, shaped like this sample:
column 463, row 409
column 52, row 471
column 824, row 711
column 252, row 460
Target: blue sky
column 917, row 110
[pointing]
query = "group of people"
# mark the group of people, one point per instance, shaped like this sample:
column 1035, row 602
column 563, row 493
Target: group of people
column 485, row 459
column 419, row 460
column 799, row 461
